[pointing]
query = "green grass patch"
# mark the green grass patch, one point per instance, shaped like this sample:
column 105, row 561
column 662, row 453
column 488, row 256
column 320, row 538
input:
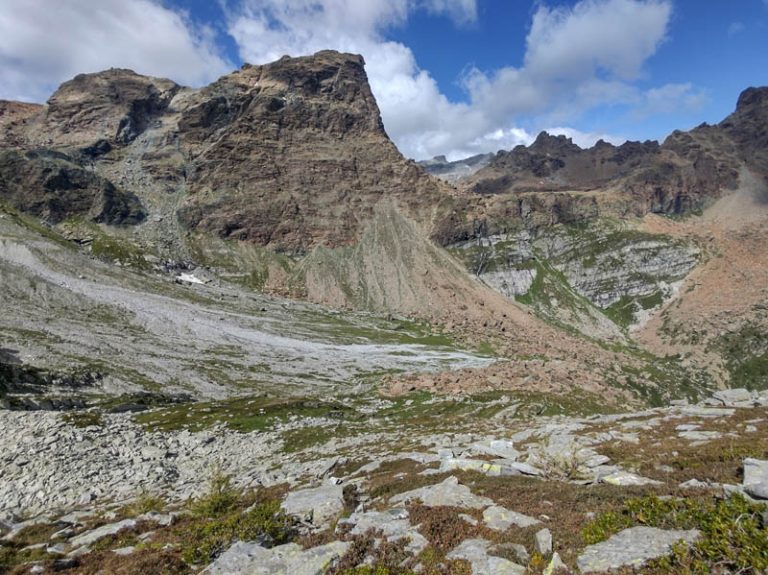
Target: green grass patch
column 240, row 414
column 734, row 537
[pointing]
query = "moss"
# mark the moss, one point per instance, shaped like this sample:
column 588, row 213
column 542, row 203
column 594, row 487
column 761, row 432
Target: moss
column 116, row 250
column 242, row 414
column 83, row 418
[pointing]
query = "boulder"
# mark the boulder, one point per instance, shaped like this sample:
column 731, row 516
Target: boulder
column 319, row 505
column 756, row 478
column 290, row 559
column 475, row 551
column 500, row 519
column 448, row 493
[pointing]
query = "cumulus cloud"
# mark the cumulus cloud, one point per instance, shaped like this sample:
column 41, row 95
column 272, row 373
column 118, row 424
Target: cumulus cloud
column 576, row 58
column 44, row 43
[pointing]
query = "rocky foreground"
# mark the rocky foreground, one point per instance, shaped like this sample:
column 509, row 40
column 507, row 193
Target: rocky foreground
column 421, row 484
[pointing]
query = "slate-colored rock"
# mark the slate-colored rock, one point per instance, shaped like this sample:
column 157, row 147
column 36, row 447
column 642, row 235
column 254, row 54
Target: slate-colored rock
column 393, row 525
column 448, row 493
column 626, row 479
column 476, row 552
column 756, row 478
column 90, row 537
column 318, row 505
column 492, row 468
column 543, row 541
column 500, row 519
column 631, row 547
column 290, row 559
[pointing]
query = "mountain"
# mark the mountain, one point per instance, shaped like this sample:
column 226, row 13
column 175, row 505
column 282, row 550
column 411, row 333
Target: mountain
column 457, row 170
column 238, row 313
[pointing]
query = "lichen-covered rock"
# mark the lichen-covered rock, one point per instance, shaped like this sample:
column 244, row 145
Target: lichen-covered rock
column 448, row 493
column 475, row 551
column 500, row 519
column 631, row 547
column 290, row 559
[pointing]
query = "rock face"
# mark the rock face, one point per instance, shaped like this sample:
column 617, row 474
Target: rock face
column 53, row 187
column 293, row 154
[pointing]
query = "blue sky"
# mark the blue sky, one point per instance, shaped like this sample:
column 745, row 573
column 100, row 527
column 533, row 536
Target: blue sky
column 453, row 77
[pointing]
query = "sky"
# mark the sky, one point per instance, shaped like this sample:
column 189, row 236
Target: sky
column 451, row 77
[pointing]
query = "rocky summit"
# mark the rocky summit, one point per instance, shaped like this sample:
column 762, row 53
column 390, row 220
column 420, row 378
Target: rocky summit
column 240, row 333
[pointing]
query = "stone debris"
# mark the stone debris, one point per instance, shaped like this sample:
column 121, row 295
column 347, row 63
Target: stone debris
column 476, row 552
column 448, row 493
column 755, row 481
column 631, row 547
column 319, row 505
column 500, row 519
column 289, row 559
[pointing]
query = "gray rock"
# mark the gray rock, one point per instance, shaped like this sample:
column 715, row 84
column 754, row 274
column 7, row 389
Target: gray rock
column 554, row 564
column 498, row 448
column 526, row 469
column 756, row 478
column 393, row 524
column 475, row 551
column 543, row 541
column 90, row 537
column 631, row 547
column 318, row 505
column 491, row 468
column 738, row 397
column 701, row 436
column 500, row 519
column 626, row 479
column 448, row 493
column 290, row 559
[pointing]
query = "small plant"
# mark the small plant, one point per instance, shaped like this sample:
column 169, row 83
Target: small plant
column 264, row 523
column 146, row 502
column 83, row 419
column 567, row 464
column 221, row 498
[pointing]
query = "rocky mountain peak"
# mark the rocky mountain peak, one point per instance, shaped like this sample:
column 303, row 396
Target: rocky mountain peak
column 546, row 143
column 115, row 105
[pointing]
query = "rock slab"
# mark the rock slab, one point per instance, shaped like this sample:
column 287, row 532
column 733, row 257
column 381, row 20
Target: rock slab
column 475, row 551
column 290, row 559
column 631, row 547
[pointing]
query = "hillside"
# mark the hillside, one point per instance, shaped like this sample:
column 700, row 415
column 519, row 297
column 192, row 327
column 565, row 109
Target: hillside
column 224, row 302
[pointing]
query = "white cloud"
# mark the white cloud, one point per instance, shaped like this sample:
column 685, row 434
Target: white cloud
column 669, row 99
column 44, row 43
column 576, row 58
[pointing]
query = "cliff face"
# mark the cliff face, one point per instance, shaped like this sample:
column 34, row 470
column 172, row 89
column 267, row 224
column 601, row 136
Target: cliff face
column 293, row 155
